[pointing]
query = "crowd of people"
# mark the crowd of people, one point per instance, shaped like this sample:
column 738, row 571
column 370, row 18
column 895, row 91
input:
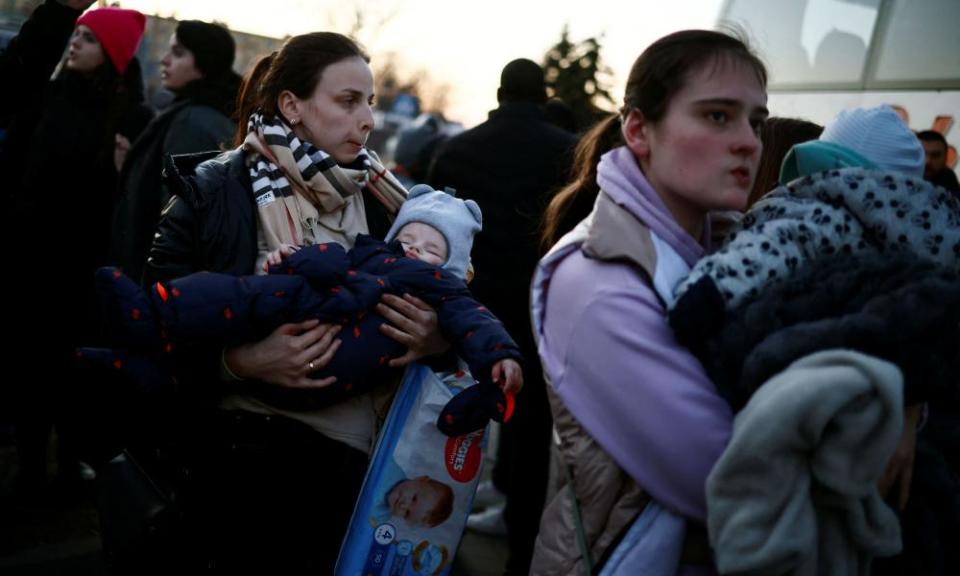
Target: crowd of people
column 731, row 340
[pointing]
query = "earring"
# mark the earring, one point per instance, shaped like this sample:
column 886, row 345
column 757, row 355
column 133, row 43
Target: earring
column 294, row 122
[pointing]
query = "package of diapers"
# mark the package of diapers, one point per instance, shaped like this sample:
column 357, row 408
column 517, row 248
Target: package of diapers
column 413, row 506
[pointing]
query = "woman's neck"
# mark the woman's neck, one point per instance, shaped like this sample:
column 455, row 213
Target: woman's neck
column 686, row 214
column 689, row 217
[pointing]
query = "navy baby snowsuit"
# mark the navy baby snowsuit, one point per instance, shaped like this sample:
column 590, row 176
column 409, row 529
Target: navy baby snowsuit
column 322, row 281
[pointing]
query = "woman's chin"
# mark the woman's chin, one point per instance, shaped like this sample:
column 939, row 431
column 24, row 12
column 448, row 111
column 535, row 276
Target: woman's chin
column 347, row 158
column 733, row 199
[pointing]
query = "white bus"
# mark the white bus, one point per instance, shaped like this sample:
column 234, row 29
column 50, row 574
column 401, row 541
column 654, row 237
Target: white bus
column 827, row 55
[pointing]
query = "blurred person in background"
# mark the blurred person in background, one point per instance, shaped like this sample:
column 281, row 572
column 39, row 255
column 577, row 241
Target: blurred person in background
column 198, row 69
column 414, row 148
column 935, row 169
column 60, row 174
column 511, row 165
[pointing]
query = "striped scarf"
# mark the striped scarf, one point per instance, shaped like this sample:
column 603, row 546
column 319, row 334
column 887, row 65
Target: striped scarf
column 303, row 196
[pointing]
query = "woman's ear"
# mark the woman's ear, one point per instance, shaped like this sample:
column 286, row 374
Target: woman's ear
column 289, row 105
column 636, row 133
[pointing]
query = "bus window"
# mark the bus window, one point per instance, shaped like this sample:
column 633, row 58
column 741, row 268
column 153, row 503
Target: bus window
column 920, row 43
column 809, row 43
column 853, row 44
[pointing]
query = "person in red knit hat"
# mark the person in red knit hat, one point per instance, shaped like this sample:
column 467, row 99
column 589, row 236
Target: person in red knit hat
column 59, row 182
column 118, row 31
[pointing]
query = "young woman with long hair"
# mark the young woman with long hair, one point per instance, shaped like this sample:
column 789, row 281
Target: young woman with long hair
column 638, row 420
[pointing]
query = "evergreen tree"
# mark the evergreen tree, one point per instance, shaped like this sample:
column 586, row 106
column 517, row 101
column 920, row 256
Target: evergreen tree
column 575, row 74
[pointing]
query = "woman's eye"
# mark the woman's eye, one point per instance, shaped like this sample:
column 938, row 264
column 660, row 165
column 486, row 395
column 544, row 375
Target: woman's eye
column 718, row 116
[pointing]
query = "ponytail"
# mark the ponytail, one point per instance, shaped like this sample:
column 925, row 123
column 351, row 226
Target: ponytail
column 575, row 201
column 248, row 99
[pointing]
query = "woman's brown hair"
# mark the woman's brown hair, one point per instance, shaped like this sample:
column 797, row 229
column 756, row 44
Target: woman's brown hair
column 779, row 135
column 656, row 76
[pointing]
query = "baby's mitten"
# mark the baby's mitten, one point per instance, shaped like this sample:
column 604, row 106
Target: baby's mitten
column 471, row 409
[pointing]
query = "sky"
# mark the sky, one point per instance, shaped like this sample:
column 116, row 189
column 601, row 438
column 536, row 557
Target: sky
column 462, row 43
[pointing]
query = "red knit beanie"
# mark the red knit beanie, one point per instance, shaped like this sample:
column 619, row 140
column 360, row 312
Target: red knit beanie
column 119, row 32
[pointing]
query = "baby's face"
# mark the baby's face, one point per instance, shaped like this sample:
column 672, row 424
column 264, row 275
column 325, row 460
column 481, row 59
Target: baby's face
column 413, row 500
column 423, row 242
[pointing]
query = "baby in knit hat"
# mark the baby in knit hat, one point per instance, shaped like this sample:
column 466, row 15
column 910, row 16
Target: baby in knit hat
column 874, row 138
column 427, row 255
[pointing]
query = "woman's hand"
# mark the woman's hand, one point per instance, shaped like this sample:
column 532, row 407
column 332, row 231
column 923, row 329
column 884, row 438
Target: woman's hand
column 287, row 355
column 413, row 323
column 120, row 149
column 899, row 470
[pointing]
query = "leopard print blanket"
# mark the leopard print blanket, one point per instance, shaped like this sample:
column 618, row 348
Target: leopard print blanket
column 847, row 211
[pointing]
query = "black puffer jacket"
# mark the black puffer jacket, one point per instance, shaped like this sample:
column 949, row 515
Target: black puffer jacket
column 66, row 195
column 210, row 222
column 510, row 165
